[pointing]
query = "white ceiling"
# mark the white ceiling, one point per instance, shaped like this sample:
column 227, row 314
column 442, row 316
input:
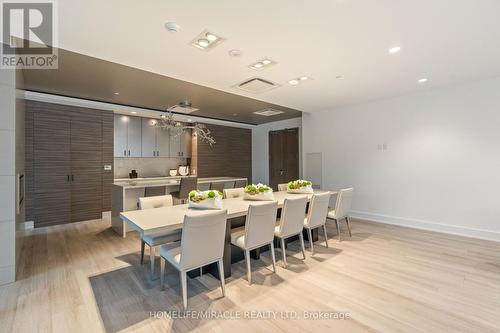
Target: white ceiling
column 447, row 41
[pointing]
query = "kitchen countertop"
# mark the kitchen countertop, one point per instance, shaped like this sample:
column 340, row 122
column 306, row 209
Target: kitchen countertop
column 166, row 181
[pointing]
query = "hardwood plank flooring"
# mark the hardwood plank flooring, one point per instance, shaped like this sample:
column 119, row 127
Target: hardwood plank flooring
column 81, row 277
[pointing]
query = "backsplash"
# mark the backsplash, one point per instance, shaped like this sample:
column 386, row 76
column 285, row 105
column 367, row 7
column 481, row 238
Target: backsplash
column 146, row 166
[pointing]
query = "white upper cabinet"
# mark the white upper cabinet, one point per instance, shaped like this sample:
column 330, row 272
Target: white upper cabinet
column 148, row 138
column 186, row 142
column 175, row 145
column 127, row 136
column 163, row 142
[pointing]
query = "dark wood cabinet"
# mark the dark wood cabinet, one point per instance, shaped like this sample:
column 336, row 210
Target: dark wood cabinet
column 67, row 148
column 283, row 156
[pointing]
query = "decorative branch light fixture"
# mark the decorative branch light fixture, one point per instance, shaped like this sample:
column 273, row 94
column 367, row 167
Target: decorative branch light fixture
column 167, row 122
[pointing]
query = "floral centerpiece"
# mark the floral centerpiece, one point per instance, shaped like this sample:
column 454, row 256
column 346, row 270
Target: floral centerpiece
column 300, row 186
column 205, row 199
column 259, row 192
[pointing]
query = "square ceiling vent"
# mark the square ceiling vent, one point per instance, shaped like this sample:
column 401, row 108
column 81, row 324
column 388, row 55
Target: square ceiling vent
column 268, row 112
column 182, row 109
column 256, row 85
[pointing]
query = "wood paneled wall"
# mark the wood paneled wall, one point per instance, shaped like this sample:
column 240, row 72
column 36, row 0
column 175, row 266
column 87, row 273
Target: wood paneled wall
column 93, row 148
column 230, row 156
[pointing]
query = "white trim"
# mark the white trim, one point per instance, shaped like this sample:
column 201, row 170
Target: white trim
column 428, row 225
column 121, row 109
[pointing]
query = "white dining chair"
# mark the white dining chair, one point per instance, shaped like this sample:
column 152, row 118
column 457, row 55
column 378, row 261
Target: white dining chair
column 342, row 209
column 156, row 239
column 202, row 243
column 282, row 187
column 257, row 232
column 316, row 216
column 233, row 192
column 291, row 223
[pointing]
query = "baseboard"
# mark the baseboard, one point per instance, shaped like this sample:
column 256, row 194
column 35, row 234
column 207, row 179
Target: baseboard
column 428, row 225
column 28, row 225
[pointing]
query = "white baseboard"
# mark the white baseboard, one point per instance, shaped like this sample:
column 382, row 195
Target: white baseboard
column 428, row 225
column 28, row 225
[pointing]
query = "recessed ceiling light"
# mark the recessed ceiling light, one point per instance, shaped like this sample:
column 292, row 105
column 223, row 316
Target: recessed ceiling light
column 117, row 93
column 206, row 40
column 211, row 37
column 394, row 49
column 422, row 80
column 294, row 82
column 203, row 42
column 299, row 80
column 262, row 63
column 268, row 112
column 303, row 78
column 172, row 27
column 235, row 114
column 133, row 112
column 190, row 120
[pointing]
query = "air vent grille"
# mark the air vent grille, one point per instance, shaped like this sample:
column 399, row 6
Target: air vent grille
column 182, row 109
column 257, row 85
column 268, row 112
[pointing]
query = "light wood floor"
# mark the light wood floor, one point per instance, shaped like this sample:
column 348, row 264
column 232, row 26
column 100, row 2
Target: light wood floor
column 83, row 278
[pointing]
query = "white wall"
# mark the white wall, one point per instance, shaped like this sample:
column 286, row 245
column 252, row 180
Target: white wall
column 441, row 167
column 260, row 147
column 7, row 176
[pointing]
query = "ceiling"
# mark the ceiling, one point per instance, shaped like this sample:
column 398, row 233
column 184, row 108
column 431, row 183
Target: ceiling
column 446, row 41
column 95, row 79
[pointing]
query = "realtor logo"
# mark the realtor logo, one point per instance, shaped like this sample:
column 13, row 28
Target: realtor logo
column 28, row 34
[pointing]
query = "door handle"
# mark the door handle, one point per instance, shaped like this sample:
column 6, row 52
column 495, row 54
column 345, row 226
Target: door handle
column 125, row 152
column 68, row 179
column 129, row 153
column 281, row 172
column 72, row 178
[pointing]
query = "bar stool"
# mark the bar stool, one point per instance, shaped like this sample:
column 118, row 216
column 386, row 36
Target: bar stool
column 218, row 186
column 257, row 232
column 187, row 185
column 240, row 183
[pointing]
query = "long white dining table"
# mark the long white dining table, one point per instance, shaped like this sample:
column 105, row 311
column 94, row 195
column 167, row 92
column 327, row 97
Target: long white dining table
column 171, row 218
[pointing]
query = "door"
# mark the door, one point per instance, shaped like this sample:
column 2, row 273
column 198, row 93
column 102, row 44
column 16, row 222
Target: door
column 185, row 145
column 175, row 144
column 86, row 166
column 149, row 148
column 163, row 142
column 52, row 168
column 134, row 137
column 120, row 135
column 283, row 156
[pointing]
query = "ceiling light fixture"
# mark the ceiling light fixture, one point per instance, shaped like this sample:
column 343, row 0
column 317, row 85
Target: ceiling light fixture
column 394, row 50
column 299, row 80
column 422, row 80
column 117, row 93
column 133, row 112
column 206, row 40
column 294, row 82
column 172, row 27
column 303, row 78
column 263, row 63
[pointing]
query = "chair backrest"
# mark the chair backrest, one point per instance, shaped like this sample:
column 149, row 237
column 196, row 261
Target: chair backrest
column 187, row 185
column 282, row 187
column 219, row 186
column 233, row 192
column 202, row 240
column 155, row 202
column 260, row 223
column 343, row 204
column 240, row 183
column 292, row 216
column 318, row 209
column 155, row 191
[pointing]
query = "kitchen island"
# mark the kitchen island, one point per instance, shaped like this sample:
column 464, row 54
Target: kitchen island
column 126, row 193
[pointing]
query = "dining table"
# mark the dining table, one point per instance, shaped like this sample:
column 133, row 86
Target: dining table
column 149, row 221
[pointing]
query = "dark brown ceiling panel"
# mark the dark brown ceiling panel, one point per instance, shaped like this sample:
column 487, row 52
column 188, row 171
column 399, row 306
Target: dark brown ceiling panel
column 95, row 79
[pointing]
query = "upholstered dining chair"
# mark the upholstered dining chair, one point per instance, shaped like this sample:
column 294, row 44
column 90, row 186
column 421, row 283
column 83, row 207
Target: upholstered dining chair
column 202, row 243
column 158, row 238
column 316, row 217
column 233, row 192
column 186, row 185
column 282, row 187
column 342, row 209
column 240, row 183
column 291, row 223
column 257, row 232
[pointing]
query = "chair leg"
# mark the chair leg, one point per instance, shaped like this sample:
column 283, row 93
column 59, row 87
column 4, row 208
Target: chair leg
column 220, row 263
column 326, row 235
column 348, row 225
column 283, row 252
column 338, row 227
column 249, row 270
column 273, row 257
column 152, row 260
column 184, row 289
column 162, row 272
column 309, row 234
column 143, row 244
column 302, row 246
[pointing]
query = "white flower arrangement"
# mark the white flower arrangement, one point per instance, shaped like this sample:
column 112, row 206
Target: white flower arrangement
column 300, row 186
column 259, row 192
column 205, row 199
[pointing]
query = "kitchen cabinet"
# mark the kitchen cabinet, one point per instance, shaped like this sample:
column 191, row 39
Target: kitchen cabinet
column 127, row 136
column 185, row 144
column 155, row 141
column 175, row 144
